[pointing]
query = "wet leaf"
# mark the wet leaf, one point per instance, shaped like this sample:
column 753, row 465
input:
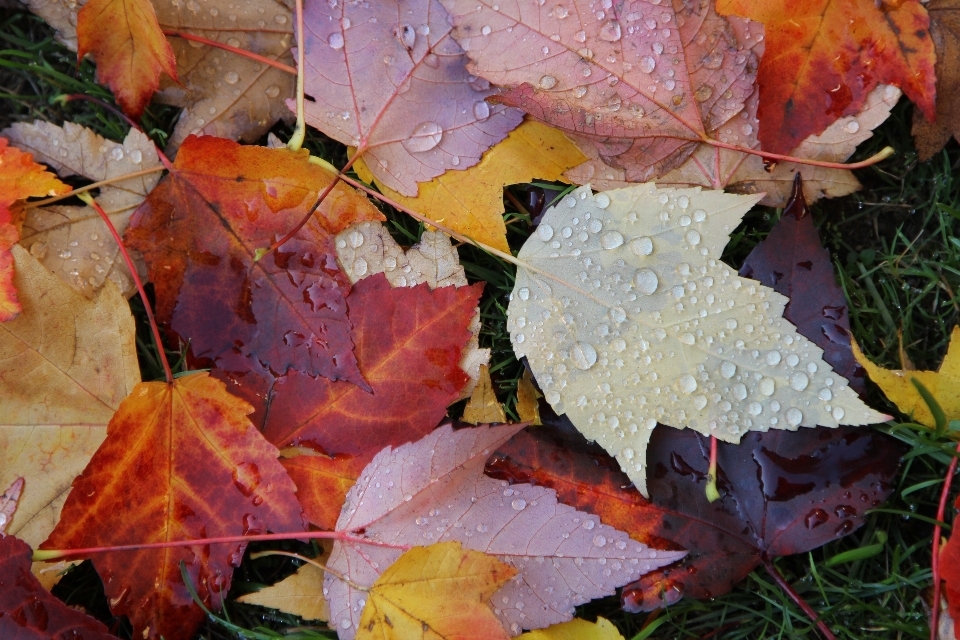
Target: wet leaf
column 408, row 345
column 792, row 262
column 643, row 84
column 576, row 629
column 483, row 405
column 210, row 474
column 30, row 612
column 199, row 230
column 782, row 493
column 823, row 57
column 130, row 49
column 391, row 81
column 625, row 294
column 471, row 202
column 68, row 363
column 434, row 490
column 72, row 241
column 943, row 384
column 950, row 567
column 20, row 178
column 930, row 137
column 298, row 594
column 528, row 407
column 436, row 592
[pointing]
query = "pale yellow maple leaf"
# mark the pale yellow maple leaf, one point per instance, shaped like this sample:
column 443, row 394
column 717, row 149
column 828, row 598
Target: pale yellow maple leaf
column 576, row 629
column 628, row 318
column 471, row 201
column 300, row 594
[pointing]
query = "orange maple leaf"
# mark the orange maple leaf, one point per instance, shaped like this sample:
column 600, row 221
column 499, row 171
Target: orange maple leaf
column 823, row 57
column 20, row 177
column 130, row 49
column 180, row 461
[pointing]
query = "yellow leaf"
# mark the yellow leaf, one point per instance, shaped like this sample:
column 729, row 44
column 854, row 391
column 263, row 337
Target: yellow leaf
column 471, row 201
column 576, row 629
column 943, row 384
column 484, row 406
column 300, row 594
column 435, row 592
column 527, row 407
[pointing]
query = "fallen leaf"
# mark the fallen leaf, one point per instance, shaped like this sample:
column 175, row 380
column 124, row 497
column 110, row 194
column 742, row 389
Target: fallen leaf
column 73, row 241
column 20, row 177
column 943, row 384
column 950, row 566
column 628, row 318
column 68, row 363
column 576, row 629
column 644, row 84
column 391, row 81
column 297, row 594
column 30, row 612
column 434, row 490
column 738, row 172
column 8, row 504
column 129, row 47
column 471, row 202
column 782, row 493
column 483, row 405
column 199, row 230
column 210, row 474
column 528, row 407
column 408, row 346
column 436, row 592
column 792, row 262
column 61, row 15
column 930, row 137
column 823, row 57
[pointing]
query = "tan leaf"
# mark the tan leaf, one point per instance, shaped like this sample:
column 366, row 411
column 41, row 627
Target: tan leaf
column 576, row 629
column 945, row 30
column 65, row 364
column 72, row 241
column 484, row 406
column 527, row 395
column 300, row 594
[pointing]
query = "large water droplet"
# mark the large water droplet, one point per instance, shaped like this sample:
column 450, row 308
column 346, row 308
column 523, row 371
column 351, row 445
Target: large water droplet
column 611, row 240
column 728, row 369
column 481, row 110
column 335, row 40
column 646, row 281
column 647, row 64
column 602, row 200
column 799, row 381
column 610, row 31
column 425, row 137
column 838, row 414
column 544, row 232
column 687, row 383
column 794, row 416
column 583, row 355
column 548, row 82
column 772, row 358
column 767, row 386
column 642, row 246
column 518, row 504
column 693, row 237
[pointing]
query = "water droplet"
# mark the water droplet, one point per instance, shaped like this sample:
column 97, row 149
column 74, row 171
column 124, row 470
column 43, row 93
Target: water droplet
column 481, row 110
column 799, row 381
column 602, row 200
column 345, row 623
column 425, row 137
column 699, row 215
column 816, row 518
column 405, row 35
column 231, row 77
column 272, row 91
column 838, row 414
column 610, row 31
column 38, row 250
column 544, row 232
column 688, row 384
column 519, row 504
column 523, row 293
column 728, row 369
column 552, row 397
column 739, row 391
column 646, row 281
column 281, row 19
column 583, row 355
column 599, row 540
column 136, row 156
column 794, row 416
column 772, row 358
column 642, row 246
column 793, row 359
column 647, row 64
column 611, row 240
column 754, row 408
column 852, row 127
column 548, row 82
column 693, row 237
column 335, row 40
column 560, row 11
column 825, row 394
column 703, row 93
column 767, row 386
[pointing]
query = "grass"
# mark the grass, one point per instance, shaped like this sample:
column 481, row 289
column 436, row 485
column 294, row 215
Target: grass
column 897, row 255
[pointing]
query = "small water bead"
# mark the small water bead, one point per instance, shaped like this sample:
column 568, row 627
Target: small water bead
column 523, row 293
column 580, row 91
column 799, row 381
column 838, row 414
column 335, row 41
column 699, row 215
column 545, row 232
column 583, row 355
column 345, row 623
column 611, row 240
column 646, row 281
column 852, row 127
column 519, row 504
column 136, row 156
column 560, row 11
column 595, row 226
column 610, row 31
column 687, row 383
column 642, row 246
column 685, row 221
column 602, row 200
column 38, row 250
column 486, row 30
column 231, row 77
column 547, row 82
column 794, row 417
column 599, row 540
column 552, row 397
column 825, row 394
column 481, row 110
column 272, row 91
column 566, row 232
column 425, row 137
column 754, row 408
column 772, row 358
column 693, row 237
column 728, row 369
column 647, row 64
column 731, row 324
column 618, row 345
column 767, row 386
column 739, row 391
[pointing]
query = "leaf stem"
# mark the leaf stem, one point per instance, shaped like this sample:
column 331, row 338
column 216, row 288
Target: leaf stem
column 236, row 50
column 87, row 198
column 712, row 494
column 883, row 154
column 296, row 140
column 55, row 554
column 319, row 565
column 798, row 599
column 90, row 187
column 935, row 560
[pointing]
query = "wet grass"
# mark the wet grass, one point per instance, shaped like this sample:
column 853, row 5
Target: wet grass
column 897, row 255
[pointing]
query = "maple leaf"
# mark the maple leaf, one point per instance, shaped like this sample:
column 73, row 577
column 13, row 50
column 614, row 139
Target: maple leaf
column 199, row 230
column 389, row 79
column 528, row 406
column 739, row 172
column 576, row 629
column 73, row 241
column 823, row 57
column 471, row 201
column 440, row 591
column 782, row 493
column 68, row 363
column 30, row 612
column 628, row 318
column 20, row 177
column 943, row 384
column 928, row 136
column 645, row 83
column 130, row 49
column 408, row 345
column 433, row 490
column 792, row 262
column 483, row 405
column 297, row 594
column 211, row 474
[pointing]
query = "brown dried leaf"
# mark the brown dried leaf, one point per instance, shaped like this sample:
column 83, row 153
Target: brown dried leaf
column 483, row 405
column 945, row 30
